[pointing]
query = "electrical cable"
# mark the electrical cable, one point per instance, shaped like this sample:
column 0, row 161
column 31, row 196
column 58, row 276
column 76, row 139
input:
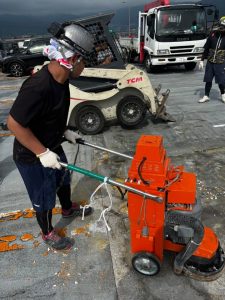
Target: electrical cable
column 104, row 211
column 140, row 170
column 123, row 194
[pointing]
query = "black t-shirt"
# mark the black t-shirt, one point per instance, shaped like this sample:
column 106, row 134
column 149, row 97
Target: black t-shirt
column 41, row 105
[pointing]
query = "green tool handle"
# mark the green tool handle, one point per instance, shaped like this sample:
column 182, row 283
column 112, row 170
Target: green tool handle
column 110, row 181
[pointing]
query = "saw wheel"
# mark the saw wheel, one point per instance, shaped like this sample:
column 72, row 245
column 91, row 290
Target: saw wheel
column 205, row 270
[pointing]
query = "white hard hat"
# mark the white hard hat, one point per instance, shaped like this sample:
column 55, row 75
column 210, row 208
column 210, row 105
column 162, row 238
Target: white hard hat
column 75, row 38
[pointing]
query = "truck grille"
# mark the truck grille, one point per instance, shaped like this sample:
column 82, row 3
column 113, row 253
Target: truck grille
column 181, row 49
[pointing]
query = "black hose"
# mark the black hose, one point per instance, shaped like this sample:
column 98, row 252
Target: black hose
column 174, row 218
column 140, row 170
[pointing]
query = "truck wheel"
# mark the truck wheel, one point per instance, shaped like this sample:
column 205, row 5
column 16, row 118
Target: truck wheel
column 146, row 263
column 148, row 64
column 16, row 69
column 130, row 111
column 190, row 66
column 89, row 120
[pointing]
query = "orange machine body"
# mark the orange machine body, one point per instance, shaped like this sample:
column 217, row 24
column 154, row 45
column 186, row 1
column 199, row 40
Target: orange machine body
column 152, row 172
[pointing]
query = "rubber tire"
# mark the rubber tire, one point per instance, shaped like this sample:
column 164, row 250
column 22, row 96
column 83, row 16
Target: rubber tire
column 190, row 66
column 150, row 257
column 147, row 63
column 95, row 112
column 16, row 69
column 122, row 105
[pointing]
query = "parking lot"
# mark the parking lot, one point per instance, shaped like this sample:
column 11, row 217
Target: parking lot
column 99, row 265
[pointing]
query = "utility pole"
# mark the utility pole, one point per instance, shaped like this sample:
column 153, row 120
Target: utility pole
column 129, row 23
column 129, row 20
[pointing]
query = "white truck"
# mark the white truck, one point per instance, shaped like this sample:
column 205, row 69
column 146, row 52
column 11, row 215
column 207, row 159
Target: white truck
column 170, row 34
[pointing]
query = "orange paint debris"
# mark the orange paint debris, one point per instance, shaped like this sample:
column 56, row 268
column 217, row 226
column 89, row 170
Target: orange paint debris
column 6, row 134
column 61, row 231
column 45, row 253
column 83, row 202
column 4, row 246
column 56, row 210
column 36, row 244
column 8, row 238
column 28, row 213
column 82, row 230
column 11, row 216
column 26, row 237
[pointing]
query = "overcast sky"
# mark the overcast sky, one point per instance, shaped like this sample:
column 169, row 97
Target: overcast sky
column 35, row 7
column 76, row 7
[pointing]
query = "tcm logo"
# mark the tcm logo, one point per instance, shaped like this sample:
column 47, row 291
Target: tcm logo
column 134, row 80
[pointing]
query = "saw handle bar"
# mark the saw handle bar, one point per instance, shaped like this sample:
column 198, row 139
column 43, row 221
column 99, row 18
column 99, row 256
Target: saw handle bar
column 110, row 181
column 83, row 142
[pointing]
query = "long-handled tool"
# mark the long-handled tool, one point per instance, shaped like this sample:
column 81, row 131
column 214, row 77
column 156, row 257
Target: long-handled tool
column 82, row 142
column 172, row 221
column 110, row 181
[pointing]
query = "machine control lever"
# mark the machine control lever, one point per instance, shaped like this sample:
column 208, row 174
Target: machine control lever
column 82, row 142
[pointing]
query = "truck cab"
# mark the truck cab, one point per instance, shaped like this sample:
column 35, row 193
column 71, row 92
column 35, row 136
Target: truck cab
column 174, row 34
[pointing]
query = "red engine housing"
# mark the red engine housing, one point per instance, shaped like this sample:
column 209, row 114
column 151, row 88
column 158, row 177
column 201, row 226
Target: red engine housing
column 152, row 172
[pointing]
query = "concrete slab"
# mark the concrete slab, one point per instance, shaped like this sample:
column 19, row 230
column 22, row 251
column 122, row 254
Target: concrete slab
column 99, row 265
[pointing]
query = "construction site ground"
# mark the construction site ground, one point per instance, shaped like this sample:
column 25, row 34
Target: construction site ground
column 99, row 264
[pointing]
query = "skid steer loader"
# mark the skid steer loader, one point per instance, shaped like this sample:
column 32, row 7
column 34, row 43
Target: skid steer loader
column 126, row 97
column 115, row 92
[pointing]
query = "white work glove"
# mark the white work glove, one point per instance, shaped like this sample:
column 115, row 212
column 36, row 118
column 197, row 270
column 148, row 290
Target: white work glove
column 49, row 159
column 72, row 136
column 201, row 65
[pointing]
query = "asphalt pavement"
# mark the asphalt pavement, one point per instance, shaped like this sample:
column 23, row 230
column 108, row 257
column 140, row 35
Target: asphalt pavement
column 99, row 265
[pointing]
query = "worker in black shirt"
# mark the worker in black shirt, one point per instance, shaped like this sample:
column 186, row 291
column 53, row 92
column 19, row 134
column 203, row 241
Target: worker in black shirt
column 214, row 52
column 38, row 119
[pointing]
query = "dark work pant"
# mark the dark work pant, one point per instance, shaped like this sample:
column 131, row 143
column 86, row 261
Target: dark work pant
column 208, row 87
column 44, row 218
column 42, row 185
column 45, row 221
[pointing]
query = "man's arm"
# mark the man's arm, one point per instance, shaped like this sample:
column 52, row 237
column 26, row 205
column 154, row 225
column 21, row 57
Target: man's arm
column 25, row 136
column 206, row 48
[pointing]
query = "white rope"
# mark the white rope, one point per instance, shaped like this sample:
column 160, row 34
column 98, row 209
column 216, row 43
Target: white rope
column 104, row 211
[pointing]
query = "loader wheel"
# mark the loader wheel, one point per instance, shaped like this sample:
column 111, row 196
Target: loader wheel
column 89, row 120
column 130, row 111
column 146, row 263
